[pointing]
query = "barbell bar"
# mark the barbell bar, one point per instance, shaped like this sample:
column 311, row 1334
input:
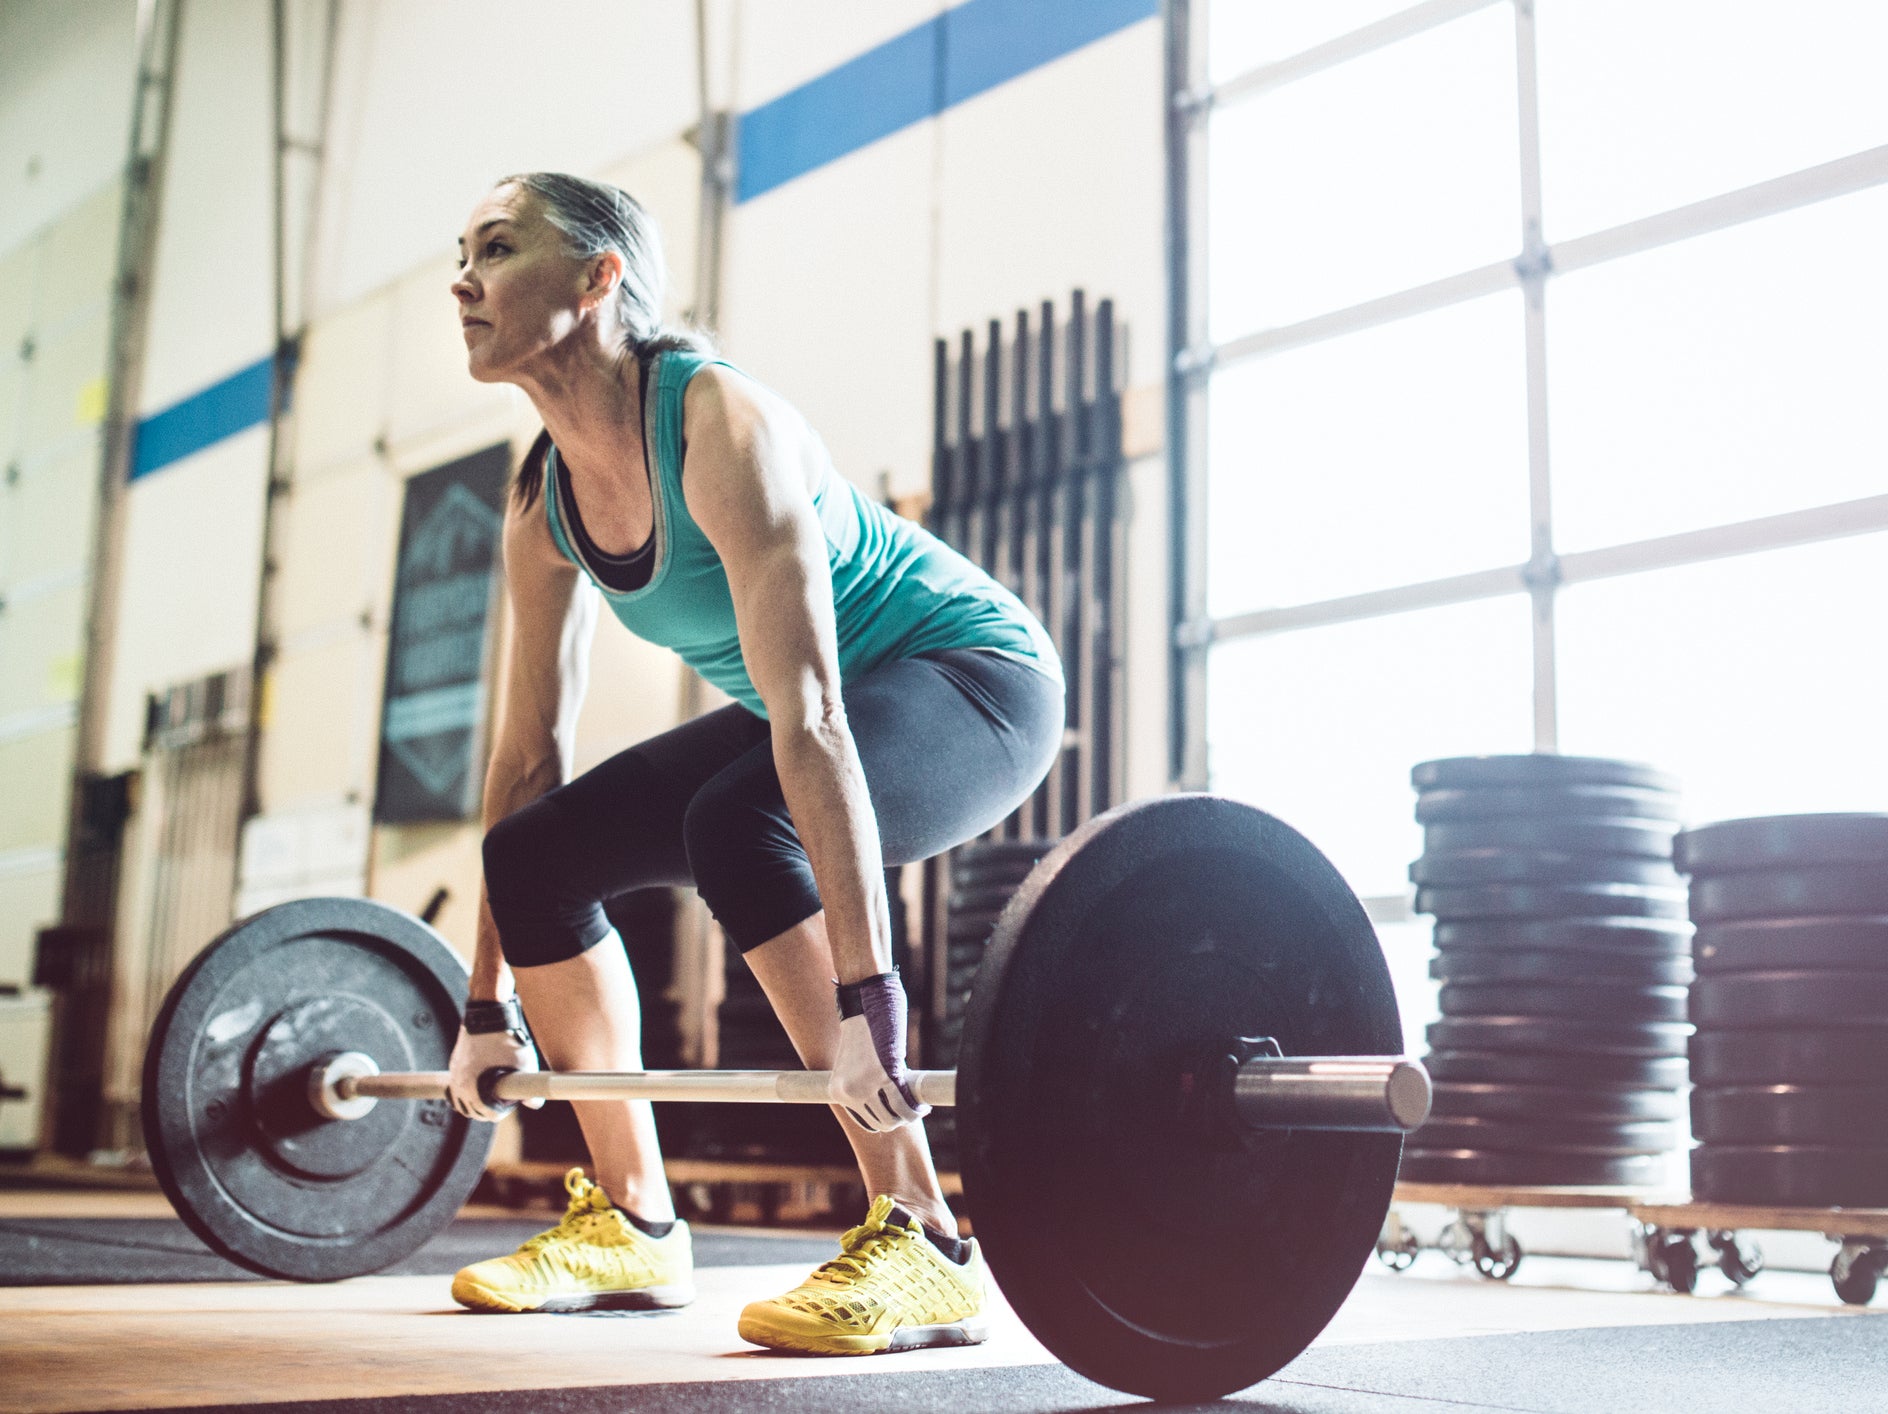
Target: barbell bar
column 1180, row 1096
column 1363, row 1093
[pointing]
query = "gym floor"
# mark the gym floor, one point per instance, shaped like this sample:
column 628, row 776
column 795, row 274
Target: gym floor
column 1566, row 1336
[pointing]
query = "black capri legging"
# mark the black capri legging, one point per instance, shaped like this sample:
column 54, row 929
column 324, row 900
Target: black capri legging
column 951, row 743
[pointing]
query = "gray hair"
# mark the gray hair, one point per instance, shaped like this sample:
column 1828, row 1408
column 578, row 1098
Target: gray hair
column 595, row 217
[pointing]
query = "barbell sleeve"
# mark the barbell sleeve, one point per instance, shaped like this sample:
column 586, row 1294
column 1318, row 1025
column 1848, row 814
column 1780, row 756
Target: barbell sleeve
column 1390, row 1093
column 1383, row 1093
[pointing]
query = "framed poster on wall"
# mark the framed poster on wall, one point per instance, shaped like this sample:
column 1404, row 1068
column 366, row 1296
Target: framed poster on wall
column 432, row 722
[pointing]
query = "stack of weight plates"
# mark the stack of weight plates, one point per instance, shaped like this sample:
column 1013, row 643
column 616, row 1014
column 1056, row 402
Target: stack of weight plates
column 1791, row 1004
column 982, row 878
column 1562, row 949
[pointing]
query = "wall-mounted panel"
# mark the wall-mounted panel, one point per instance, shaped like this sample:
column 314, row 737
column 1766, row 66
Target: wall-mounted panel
column 212, row 295
column 315, row 716
column 187, row 598
column 37, row 637
column 65, row 383
column 46, row 515
column 66, row 78
column 1054, row 181
column 37, row 770
column 827, row 298
column 341, row 387
column 19, row 277
column 29, row 901
column 327, row 549
column 420, row 130
column 81, row 253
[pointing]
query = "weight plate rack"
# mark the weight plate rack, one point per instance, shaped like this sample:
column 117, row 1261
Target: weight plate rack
column 1790, row 1058
column 1562, row 947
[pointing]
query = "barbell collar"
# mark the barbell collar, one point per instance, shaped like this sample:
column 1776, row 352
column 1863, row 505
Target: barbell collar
column 1384, row 1093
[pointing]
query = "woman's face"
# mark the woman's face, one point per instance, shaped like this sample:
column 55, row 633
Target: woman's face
column 519, row 291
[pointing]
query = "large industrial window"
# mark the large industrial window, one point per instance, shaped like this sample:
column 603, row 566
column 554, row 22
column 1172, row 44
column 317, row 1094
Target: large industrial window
column 1532, row 392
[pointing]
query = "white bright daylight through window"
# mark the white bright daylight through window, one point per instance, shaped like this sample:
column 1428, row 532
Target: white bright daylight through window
column 1539, row 382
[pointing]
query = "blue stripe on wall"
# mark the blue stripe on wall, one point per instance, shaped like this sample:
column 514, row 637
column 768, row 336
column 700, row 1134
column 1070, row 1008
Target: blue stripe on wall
column 222, row 410
column 965, row 51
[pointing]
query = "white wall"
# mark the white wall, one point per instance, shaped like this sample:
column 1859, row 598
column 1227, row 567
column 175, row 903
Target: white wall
column 436, row 98
column 66, row 69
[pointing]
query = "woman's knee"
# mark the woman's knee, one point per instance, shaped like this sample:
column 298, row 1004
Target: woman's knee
column 542, row 914
column 749, row 866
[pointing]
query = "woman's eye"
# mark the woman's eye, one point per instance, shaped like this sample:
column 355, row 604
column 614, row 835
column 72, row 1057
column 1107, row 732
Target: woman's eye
column 493, row 247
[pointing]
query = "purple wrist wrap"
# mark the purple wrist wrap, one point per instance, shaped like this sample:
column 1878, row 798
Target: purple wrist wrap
column 881, row 1001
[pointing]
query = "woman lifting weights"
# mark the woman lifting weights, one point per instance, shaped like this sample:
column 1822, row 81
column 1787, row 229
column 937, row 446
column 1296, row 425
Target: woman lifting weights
column 890, row 700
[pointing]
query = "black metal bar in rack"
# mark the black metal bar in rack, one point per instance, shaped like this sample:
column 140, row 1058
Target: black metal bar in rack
column 1028, row 487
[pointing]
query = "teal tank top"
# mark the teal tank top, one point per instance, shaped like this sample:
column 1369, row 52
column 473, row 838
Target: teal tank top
column 898, row 590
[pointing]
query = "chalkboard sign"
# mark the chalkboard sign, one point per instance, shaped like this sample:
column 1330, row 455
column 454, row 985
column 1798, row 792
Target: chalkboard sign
column 432, row 726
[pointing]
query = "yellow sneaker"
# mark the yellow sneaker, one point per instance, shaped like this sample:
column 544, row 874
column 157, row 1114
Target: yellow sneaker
column 596, row 1259
column 888, row 1289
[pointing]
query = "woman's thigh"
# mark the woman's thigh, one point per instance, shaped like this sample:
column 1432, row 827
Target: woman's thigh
column 950, row 744
column 550, row 865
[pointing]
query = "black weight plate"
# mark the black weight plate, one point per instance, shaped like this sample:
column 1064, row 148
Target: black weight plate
column 1790, row 1175
column 1786, row 893
column 242, row 1155
column 1551, row 901
column 1556, row 1136
column 1648, row 1039
column 1514, row 866
column 1539, row 768
column 984, row 899
column 1582, row 1000
column 1494, row 965
column 1847, row 1055
column 1595, row 802
column 1732, row 999
column 1643, row 936
column 1593, row 1072
column 1149, row 939
column 1025, row 852
column 1768, row 842
column 1791, row 1114
column 970, row 930
column 1542, row 1102
column 1639, row 839
column 1540, row 1170
column 989, row 877
column 1758, row 944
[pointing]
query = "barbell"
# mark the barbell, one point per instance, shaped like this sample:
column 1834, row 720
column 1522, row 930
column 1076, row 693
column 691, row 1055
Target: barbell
column 1180, row 1105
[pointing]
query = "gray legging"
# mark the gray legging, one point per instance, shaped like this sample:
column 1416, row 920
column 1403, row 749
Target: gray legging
column 951, row 743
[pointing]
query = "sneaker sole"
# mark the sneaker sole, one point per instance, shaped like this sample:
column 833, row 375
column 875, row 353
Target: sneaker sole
column 953, row 1333
column 476, row 1297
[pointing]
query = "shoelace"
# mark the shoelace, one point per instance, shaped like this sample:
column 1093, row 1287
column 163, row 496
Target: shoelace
column 579, row 1189
column 858, row 1247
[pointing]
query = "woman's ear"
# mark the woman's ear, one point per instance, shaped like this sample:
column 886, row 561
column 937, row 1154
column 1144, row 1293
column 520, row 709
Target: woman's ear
column 604, row 277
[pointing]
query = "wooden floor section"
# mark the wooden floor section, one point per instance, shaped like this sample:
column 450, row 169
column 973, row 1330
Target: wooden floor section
column 142, row 1347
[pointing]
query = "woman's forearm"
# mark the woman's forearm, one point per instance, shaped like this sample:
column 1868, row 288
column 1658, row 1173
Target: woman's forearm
column 825, row 790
